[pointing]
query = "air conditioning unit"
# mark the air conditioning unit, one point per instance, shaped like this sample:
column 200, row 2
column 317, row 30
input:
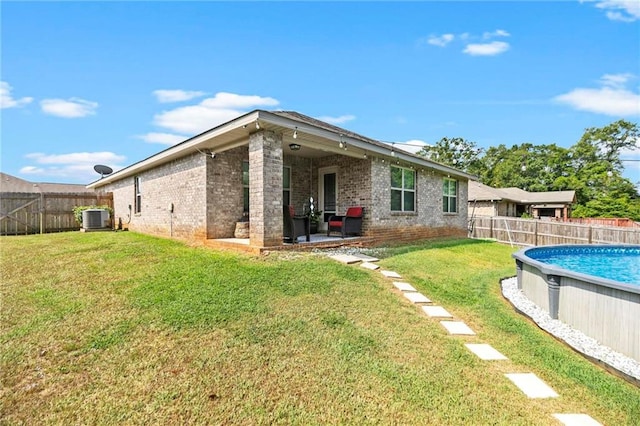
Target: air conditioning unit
column 95, row 219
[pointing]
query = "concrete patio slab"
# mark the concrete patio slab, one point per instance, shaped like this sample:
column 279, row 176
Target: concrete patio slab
column 345, row 258
column 531, row 385
column 403, row 286
column 436, row 311
column 485, row 352
column 577, row 420
column 457, row 327
column 366, row 258
column 371, row 266
column 391, row 274
column 417, row 297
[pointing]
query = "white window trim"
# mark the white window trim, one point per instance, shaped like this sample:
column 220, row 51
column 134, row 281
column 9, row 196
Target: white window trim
column 403, row 190
column 449, row 196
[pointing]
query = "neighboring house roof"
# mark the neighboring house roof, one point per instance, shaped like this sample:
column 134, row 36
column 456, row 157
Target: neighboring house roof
column 9, row 183
column 481, row 192
column 317, row 135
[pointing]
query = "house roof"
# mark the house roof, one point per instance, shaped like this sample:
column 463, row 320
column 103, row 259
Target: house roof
column 9, row 183
column 317, row 135
column 481, row 192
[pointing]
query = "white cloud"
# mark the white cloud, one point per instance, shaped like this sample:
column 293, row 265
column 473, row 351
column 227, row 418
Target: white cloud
column 68, row 108
column 496, row 33
column 610, row 99
column 412, row 146
column 337, row 120
column 162, row 138
column 210, row 112
column 441, row 41
column 486, row 49
column 620, row 10
column 76, row 166
column 165, row 96
column 616, row 80
column 7, row 101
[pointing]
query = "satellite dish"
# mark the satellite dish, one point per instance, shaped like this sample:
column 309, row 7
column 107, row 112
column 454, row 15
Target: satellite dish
column 103, row 170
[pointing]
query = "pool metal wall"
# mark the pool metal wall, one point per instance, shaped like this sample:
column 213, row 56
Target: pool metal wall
column 602, row 309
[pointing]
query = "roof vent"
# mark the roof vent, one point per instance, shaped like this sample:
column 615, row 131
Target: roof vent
column 95, row 219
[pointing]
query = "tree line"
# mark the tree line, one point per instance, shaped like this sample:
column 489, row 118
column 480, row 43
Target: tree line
column 592, row 167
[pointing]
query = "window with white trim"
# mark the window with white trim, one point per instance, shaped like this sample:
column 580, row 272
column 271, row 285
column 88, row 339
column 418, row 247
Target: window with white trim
column 138, row 195
column 449, row 195
column 403, row 189
column 245, row 186
column 286, row 185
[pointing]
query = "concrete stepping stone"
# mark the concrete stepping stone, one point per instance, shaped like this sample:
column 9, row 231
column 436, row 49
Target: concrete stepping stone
column 531, row 385
column 391, row 274
column 371, row 266
column 403, row 286
column 457, row 327
column 577, row 420
column 485, row 352
column 345, row 258
column 366, row 258
column 436, row 311
column 416, row 297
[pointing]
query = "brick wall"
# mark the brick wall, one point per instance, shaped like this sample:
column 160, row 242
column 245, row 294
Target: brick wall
column 179, row 182
column 301, row 182
column 428, row 220
column 225, row 192
column 265, row 188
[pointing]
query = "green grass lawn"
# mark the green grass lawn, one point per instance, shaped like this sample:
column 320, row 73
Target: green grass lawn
column 120, row 328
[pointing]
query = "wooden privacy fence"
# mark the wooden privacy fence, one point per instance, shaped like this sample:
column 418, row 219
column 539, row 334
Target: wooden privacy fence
column 532, row 232
column 24, row 213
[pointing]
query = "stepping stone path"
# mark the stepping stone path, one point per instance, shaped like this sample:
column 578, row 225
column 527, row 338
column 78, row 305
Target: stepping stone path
column 369, row 265
column 403, row 286
column 391, row 274
column 436, row 311
column 457, row 327
column 417, row 297
column 485, row 352
column 530, row 384
column 576, row 420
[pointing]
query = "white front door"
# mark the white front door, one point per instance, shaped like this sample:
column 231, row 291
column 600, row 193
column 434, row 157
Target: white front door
column 328, row 193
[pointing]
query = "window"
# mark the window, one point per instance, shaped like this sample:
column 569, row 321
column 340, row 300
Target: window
column 286, row 185
column 450, row 196
column 403, row 189
column 138, row 195
column 245, row 186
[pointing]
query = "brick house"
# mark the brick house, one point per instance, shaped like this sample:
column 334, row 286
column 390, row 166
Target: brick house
column 514, row 202
column 254, row 164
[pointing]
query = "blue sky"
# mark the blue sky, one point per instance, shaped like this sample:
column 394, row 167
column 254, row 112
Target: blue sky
column 84, row 83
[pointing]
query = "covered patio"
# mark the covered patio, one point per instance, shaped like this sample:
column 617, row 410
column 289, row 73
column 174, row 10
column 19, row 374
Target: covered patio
column 317, row 241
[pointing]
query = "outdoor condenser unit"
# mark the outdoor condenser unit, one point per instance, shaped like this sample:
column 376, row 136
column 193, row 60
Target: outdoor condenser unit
column 95, row 219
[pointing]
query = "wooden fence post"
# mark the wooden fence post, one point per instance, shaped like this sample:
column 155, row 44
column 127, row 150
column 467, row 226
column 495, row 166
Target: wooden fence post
column 491, row 227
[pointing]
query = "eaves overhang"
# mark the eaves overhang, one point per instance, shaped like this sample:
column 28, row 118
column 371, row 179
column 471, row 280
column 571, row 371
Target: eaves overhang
column 236, row 132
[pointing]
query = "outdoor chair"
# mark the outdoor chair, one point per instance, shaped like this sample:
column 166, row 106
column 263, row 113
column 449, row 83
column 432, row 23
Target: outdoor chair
column 349, row 224
column 294, row 226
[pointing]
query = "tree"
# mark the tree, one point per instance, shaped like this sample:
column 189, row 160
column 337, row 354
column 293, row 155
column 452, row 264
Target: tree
column 592, row 167
column 455, row 152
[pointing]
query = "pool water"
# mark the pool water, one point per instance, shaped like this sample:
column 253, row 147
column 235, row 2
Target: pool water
column 617, row 263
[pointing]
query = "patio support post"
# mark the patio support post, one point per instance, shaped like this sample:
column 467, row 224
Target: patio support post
column 265, row 189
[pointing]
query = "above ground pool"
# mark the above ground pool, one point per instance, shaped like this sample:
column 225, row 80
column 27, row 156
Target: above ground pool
column 616, row 263
column 593, row 288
